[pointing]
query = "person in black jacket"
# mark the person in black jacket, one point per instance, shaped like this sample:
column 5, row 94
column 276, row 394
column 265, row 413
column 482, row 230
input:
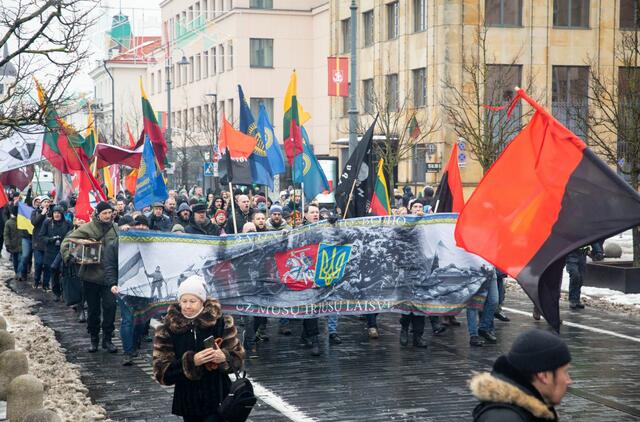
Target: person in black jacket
column 181, row 358
column 243, row 215
column 158, row 220
column 52, row 232
column 200, row 224
column 38, row 217
column 526, row 383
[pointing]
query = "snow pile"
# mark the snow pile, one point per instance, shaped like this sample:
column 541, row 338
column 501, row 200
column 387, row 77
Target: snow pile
column 64, row 391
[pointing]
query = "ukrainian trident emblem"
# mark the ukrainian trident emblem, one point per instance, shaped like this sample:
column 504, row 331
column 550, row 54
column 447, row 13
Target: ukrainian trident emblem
column 331, row 262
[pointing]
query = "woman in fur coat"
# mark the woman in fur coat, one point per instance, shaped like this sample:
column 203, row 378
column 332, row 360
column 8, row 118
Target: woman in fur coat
column 181, row 359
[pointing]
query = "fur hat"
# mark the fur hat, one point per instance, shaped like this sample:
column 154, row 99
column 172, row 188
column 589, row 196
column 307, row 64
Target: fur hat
column 538, row 351
column 103, row 206
column 193, row 285
column 141, row 220
column 199, row 207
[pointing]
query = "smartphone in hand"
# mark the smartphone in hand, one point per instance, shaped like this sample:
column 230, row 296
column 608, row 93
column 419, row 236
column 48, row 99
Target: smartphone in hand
column 210, row 342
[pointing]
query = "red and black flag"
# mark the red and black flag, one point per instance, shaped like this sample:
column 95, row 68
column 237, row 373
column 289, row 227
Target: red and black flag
column 449, row 197
column 546, row 195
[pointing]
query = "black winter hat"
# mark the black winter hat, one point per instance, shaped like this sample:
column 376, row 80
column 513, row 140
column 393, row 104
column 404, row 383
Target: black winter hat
column 141, row 219
column 199, row 207
column 538, row 351
column 102, row 205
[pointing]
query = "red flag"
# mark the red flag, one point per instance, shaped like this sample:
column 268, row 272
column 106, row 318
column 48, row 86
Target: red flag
column 83, row 208
column 240, row 146
column 338, row 76
column 449, row 197
column 3, row 197
column 107, row 155
column 131, row 180
column 294, row 266
column 132, row 140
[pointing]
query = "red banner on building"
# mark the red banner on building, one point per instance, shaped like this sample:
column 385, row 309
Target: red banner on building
column 338, row 76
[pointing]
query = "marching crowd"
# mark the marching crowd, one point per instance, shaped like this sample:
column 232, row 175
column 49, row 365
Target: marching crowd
column 45, row 254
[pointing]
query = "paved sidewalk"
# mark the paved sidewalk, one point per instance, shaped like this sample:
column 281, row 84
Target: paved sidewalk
column 375, row 380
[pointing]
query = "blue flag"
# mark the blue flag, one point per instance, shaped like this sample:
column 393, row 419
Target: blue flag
column 150, row 186
column 307, row 170
column 260, row 168
column 274, row 152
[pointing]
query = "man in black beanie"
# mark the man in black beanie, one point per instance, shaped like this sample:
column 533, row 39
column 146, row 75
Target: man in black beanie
column 526, row 383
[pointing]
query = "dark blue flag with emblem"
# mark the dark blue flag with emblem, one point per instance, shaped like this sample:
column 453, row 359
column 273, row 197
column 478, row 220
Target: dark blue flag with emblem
column 307, row 170
column 260, row 168
column 268, row 135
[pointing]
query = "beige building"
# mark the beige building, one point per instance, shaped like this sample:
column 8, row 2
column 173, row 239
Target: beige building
column 407, row 48
column 254, row 43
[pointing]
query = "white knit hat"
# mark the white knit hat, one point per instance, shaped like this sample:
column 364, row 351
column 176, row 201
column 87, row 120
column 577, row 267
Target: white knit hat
column 193, row 285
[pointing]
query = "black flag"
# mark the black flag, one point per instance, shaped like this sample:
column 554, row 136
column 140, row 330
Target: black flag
column 359, row 170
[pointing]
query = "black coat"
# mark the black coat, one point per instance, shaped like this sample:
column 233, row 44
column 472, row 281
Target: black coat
column 51, row 234
column 241, row 219
column 197, row 390
column 162, row 223
column 37, row 219
column 208, row 229
column 507, row 396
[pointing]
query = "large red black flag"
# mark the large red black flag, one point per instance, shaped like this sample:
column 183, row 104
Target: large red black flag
column 449, row 197
column 546, row 195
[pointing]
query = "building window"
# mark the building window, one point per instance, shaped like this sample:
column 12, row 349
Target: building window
column 503, row 12
column 255, row 102
column 153, row 82
column 367, row 23
column 205, row 63
column 419, row 87
column 629, row 18
column 419, row 15
column 391, row 92
column 198, row 67
column 205, row 9
column 261, row 52
column 199, row 122
column 214, row 61
column 569, row 100
column 230, row 109
column 222, row 57
column 230, row 49
column 346, row 35
column 345, row 104
column 628, row 93
column 571, row 13
column 499, row 90
column 160, row 80
column 192, row 69
column 392, row 20
column 178, row 122
column 261, row 4
column 419, row 163
column 367, row 95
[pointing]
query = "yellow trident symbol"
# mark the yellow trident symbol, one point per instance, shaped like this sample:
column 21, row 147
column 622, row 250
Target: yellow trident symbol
column 330, row 267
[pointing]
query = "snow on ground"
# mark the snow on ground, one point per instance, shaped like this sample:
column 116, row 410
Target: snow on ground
column 64, row 391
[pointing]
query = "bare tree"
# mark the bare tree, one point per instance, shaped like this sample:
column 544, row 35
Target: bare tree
column 46, row 39
column 612, row 122
column 486, row 131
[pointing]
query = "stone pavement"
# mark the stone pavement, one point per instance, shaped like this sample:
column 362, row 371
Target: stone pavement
column 375, row 380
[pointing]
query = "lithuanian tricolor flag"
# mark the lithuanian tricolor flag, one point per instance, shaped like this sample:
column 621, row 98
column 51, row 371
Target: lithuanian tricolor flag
column 294, row 118
column 152, row 129
column 24, row 217
column 380, row 204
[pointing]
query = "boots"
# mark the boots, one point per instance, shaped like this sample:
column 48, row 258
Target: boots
column 404, row 336
column 419, row 341
column 315, row 346
column 94, row 344
column 108, row 345
column 82, row 316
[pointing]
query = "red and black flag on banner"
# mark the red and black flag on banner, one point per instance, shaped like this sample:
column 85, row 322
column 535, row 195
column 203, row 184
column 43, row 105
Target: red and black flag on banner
column 546, row 195
column 449, row 197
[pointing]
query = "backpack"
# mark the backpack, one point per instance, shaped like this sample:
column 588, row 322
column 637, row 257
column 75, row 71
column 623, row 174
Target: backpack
column 238, row 404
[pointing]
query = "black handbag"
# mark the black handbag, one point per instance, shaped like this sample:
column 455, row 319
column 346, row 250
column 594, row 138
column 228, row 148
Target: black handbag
column 71, row 284
column 238, row 404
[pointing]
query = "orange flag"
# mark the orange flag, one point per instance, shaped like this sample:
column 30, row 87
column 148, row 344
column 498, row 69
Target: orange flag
column 240, row 146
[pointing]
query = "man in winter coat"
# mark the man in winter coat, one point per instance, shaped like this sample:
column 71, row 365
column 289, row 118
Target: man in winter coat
column 158, row 220
column 38, row 216
column 243, row 215
column 52, row 232
column 275, row 222
column 201, row 223
column 183, row 216
column 526, row 383
column 96, row 288
column 13, row 238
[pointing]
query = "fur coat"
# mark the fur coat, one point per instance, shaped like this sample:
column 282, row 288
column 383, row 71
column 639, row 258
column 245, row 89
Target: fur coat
column 506, row 395
column 197, row 390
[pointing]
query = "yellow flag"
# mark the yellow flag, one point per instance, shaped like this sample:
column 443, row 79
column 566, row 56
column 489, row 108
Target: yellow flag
column 291, row 91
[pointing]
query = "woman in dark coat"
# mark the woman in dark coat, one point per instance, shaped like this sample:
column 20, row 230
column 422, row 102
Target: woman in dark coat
column 52, row 231
column 180, row 357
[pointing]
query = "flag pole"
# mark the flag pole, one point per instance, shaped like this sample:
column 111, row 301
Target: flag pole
column 301, row 198
column 233, row 206
column 91, row 178
column 346, row 208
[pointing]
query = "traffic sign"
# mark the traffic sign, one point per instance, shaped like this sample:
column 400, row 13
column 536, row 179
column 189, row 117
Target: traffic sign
column 211, row 169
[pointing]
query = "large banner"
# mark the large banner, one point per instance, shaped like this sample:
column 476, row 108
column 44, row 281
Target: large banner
column 356, row 266
column 21, row 148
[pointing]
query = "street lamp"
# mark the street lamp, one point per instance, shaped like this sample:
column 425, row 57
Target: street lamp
column 216, row 181
column 183, row 61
